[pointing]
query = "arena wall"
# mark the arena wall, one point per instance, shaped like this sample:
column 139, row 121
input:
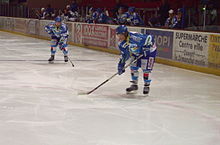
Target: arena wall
column 193, row 50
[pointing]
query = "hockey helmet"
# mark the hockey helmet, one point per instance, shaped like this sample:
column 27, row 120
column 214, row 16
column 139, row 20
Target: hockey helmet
column 58, row 19
column 121, row 29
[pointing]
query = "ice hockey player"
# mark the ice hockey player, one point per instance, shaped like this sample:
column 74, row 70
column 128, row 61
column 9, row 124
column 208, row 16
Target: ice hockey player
column 59, row 34
column 132, row 45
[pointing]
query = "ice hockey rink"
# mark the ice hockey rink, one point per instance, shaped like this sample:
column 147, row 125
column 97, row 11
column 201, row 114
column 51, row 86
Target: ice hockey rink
column 40, row 105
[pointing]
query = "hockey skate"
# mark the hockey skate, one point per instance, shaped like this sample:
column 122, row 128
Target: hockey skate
column 66, row 58
column 146, row 89
column 133, row 88
column 51, row 59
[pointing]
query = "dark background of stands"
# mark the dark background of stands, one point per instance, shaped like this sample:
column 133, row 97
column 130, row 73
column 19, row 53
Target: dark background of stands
column 146, row 8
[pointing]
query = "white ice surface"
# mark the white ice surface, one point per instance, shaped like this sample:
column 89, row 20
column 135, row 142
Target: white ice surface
column 39, row 104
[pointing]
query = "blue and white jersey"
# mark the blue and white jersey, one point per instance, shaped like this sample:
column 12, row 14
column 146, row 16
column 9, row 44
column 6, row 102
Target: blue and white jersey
column 136, row 44
column 136, row 20
column 121, row 19
column 95, row 16
column 126, row 16
column 58, row 32
column 171, row 22
column 89, row 18
column 103, row 18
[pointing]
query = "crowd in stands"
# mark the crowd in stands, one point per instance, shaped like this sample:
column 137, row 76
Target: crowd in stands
column 165, row 18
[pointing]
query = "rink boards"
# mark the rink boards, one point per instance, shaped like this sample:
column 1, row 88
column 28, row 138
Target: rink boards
column 198, row 51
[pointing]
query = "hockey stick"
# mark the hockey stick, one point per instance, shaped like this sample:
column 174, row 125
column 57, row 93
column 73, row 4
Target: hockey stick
column 71, row 62
column 87, row 93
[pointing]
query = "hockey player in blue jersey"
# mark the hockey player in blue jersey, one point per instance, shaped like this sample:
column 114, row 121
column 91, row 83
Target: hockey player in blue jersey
column 132, row 45
column 59, row 34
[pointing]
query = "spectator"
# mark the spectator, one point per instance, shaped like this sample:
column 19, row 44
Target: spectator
column 180, row 19
column 154, row 21
column 103, row 17
column 96, row 15
column 70, row 15
column 134, row 18
column 171, row 21
column 89, row 18
column 68, row 8
column 120, row 16
column 65, row 15
column 50, row 12
column 42, row 14
column 116, row 9
column 213, row 13
column 106, row 12
column 109, row 20
column 164, row 8
column 74, row 16
column 74, row 6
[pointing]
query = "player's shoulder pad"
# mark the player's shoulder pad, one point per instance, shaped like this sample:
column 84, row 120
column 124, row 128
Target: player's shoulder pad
column 51, row 24
column 134, row 33
column 136, row 36
column 122, row 45
column 64, row 26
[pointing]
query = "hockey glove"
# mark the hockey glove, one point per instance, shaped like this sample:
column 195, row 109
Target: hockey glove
column 121, row 69
column 50, row 32
column 63, row 39
column 146, row 50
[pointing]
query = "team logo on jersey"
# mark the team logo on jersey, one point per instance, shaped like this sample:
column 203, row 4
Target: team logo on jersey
column 134, row 49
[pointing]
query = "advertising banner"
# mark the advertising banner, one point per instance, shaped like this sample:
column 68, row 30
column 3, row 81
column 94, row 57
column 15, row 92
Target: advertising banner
column 32, row 26
column 69, row 25
column 20, row 25
column 112, row 38
column 191, row 47
column 135, row 29
column 164, row 42
column 214, row 51
column 77, row 33
column 42, row 31
column 8, row 23
column 1, row 22
column 95, row 35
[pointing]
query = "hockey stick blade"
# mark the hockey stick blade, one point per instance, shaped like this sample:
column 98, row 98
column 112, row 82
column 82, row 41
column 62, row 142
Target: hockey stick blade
column 83, row 93
column 87, row 93
column 71, row 62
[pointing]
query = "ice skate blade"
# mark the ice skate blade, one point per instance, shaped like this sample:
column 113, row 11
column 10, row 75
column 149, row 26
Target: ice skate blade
column 131, row 92
column 145, row 95
column 51, row 62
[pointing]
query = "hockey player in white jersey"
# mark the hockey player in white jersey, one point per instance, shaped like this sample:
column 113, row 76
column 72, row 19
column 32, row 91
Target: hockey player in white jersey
column 59, row 35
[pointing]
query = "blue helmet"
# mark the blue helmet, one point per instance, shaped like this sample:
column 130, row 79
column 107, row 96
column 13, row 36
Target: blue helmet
column 58, row 19
column 121, row 29
column 131, row 9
